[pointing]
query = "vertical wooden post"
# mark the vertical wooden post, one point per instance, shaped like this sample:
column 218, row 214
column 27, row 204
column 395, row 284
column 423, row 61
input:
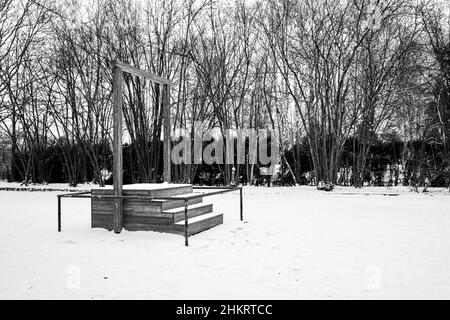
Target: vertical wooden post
column 117, row 149
column 166, row 114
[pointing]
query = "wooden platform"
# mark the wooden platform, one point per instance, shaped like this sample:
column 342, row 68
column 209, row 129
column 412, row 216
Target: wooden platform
column 155, row 215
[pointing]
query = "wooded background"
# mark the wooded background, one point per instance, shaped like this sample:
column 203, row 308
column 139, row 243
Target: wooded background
column 358, row 90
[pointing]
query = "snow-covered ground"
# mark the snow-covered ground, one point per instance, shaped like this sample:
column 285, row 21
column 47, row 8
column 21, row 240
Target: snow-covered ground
column 296, row 243
column 17, row 186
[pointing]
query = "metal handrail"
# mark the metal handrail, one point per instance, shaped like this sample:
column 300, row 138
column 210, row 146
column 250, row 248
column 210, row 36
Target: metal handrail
column 220, row 190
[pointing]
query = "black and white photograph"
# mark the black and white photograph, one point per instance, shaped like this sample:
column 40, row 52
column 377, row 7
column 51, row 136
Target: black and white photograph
column 224, row 150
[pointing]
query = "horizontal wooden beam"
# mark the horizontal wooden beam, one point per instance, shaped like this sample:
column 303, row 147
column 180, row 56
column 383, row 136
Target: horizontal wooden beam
column 141, row 73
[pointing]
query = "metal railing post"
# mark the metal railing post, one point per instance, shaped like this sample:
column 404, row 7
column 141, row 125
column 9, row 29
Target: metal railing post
column 241, row 204
column 186, row 223
column 59, row 214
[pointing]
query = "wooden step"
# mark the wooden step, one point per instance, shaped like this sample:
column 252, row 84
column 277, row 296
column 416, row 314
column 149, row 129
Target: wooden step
column 149, row 190
column 195, row 226
column 139, row 208
column 201, row 223
column 172, row 204
column 168, row 217
column 193, row 211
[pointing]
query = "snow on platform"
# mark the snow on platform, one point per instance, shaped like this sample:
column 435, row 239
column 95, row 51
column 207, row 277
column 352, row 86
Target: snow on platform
column 148, row 186
column 297, row 243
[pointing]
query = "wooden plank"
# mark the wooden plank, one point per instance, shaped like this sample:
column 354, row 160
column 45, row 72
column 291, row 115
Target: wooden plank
column 164, row 191
column 103, row 221
column 177, row 191
column 108, row 211
column 147, row 220
column 110, row 192
column 103, row 217
column 167, row 146
column 172, row 204
column 195, row 227
column 205, row 224
column 193, row 211
column 141, row 208
column 141, row 73
column 117, row 148
column 102, row 202
column 102, row 207
column 155, row 228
